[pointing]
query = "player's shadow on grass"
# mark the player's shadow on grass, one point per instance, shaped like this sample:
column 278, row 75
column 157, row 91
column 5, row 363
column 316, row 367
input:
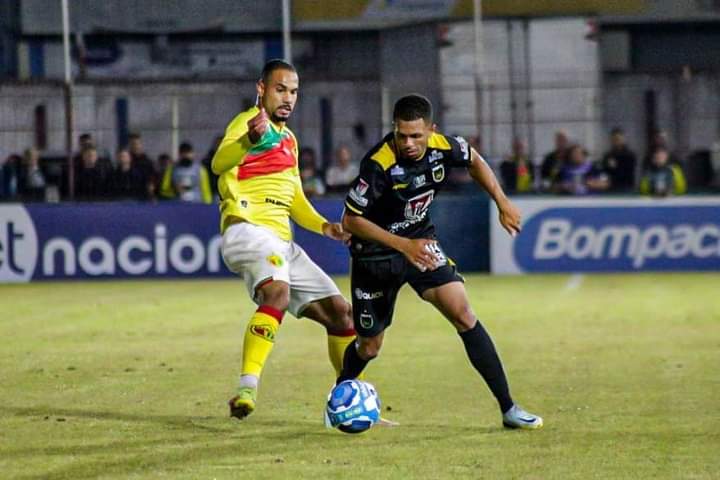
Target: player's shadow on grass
column 54, row 414
column 198, row 441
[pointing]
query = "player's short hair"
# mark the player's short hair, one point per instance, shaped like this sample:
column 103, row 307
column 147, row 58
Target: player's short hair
column 412, row 107
column 185, row 147
column 275, row 64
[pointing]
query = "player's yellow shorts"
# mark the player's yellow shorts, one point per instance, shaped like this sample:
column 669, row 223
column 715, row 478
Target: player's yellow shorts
column 258, row 255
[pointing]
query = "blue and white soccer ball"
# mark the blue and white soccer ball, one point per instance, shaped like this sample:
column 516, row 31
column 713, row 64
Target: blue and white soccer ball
column 353, row 406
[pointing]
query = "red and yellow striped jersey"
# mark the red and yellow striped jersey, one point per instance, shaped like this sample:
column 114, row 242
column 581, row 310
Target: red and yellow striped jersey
column 260, row 183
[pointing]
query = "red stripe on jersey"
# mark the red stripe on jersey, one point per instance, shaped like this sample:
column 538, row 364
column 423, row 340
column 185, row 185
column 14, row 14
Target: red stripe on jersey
column 273, row 161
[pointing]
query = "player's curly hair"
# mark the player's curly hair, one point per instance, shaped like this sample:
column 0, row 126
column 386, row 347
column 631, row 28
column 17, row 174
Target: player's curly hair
column 272, row 65
column 412, row 107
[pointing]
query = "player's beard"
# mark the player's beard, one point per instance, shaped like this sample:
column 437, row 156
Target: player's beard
column 278, row 119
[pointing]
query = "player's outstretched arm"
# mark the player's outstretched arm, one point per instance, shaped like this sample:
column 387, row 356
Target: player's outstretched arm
column 509, row 215
column 304, row 214
column 414, row 249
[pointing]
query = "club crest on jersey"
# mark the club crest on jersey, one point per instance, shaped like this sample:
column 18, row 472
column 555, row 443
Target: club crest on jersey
column 438, row 173
column 416, row 207
column 357, row 194
column 435, row 156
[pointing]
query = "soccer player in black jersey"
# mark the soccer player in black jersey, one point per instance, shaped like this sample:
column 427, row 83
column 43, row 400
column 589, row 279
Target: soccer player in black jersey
column 393, row 243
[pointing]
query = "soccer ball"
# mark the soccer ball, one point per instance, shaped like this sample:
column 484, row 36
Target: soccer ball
column 353, row 406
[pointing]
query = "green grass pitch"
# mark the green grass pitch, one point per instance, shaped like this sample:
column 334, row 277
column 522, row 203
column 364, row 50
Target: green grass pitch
column 130, row 380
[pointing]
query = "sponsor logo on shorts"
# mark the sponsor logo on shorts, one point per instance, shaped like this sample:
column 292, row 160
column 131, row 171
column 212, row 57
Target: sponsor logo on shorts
column 366, row 320
column 360, row 295
column 276, row 260
column 264, row 331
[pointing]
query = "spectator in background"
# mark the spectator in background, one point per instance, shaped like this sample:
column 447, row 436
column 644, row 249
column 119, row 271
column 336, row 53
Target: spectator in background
column 164, row 161
column 619, row 162
column 342, row 172
column 659, row 141
column 9, row 176
column 85, row 141
column 93, row 179
column 579, row 176
column 312, row 184
column 31, row 180
column 142, row 162
column 554, row 161
column 516, row 170
column 662, row 178
column 128, row 182
column 186, row 180
column 307, row 156
column 207, row 163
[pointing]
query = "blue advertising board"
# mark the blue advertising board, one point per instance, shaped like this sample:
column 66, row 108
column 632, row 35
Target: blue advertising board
column 176, row 240
column 54, row 242
column 615, row 235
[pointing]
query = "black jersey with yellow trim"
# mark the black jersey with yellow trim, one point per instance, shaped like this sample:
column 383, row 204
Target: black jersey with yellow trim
column 396, row 193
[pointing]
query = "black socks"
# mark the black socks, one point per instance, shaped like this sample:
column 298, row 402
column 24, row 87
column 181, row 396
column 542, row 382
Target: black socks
column 353, row 365
column 484, row 358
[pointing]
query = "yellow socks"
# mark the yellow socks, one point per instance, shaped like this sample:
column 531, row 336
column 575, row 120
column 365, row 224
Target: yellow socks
column 337, row 343
column 259, row 339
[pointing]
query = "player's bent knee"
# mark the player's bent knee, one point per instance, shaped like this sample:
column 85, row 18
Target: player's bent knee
column 275, row 294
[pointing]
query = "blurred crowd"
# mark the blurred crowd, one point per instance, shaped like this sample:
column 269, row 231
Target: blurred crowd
column 131, row 174
column 569, row 169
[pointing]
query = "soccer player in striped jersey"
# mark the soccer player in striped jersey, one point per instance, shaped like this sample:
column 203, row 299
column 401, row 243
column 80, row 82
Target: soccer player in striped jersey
column 260, row 189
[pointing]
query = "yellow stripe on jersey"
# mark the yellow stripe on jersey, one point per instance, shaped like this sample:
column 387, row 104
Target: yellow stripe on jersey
column 438, row 141
column 385, row 157
column 267, row 200
column 352, row 209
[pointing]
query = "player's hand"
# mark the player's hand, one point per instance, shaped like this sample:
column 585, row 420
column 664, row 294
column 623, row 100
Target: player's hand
column 509, row 217
column 336, row 232
column 257, row 126
column 417, row 252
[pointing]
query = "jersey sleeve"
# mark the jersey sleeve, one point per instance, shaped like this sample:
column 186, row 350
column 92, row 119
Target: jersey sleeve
column 367, row 188
column 461, row 153
column 303, row 213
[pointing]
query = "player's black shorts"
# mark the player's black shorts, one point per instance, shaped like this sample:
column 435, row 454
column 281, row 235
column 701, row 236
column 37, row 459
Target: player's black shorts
column 375, row 283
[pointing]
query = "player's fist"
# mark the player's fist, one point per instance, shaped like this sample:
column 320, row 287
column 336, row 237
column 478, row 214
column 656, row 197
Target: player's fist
column 421, row 253
column 336, row 232
column 509, row 217
column 257, row 126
